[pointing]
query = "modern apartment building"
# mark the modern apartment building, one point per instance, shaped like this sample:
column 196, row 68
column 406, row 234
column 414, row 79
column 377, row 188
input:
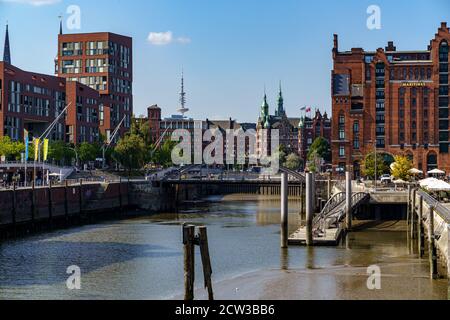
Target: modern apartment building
column 30, row 101
column 102, row 61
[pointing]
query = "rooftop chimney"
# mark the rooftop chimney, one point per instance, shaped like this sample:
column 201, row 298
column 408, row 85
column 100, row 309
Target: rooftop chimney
column 390, row 46
column 336, row 43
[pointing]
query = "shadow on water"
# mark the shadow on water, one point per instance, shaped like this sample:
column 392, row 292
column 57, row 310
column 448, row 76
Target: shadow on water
column 42, row 261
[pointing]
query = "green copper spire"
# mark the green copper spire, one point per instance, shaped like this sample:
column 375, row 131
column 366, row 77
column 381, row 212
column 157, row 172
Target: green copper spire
column 280, row 110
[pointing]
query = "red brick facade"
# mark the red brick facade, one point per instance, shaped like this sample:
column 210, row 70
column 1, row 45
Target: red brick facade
column 102, row 61
column 397, row 100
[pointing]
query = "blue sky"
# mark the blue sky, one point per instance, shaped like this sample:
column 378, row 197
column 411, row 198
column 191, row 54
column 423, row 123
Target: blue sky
column 230, row 49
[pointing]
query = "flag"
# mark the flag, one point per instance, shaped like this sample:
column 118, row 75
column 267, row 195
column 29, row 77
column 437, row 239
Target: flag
column 45, row 151
column 27, row 141
column 36, row 149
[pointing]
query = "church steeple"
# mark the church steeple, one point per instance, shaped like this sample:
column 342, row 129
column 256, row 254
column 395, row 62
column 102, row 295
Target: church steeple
column 60, row 25
column 280, row 110
column 6, row 50
column 265, row 111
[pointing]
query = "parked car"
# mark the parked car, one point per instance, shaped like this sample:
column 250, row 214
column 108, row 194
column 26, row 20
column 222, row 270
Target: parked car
column 386, row 178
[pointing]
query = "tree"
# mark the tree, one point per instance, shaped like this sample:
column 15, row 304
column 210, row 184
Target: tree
column 163, row 155
column 130, row 151
column 88, row 151
column 369, row 165
column 321, row 149
column 401, row 167
column 11, row 149
column 282, row 153
column 293, row 162
column 59, row 151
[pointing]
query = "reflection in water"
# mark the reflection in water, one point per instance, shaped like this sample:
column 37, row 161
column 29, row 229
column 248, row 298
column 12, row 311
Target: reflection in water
column 143, row 259
column 284, row 259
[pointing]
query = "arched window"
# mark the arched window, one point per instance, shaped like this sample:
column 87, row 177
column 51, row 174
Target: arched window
column 443, row 51
column 432, row 162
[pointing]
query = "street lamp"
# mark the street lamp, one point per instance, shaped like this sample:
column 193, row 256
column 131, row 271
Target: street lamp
column 76, row 155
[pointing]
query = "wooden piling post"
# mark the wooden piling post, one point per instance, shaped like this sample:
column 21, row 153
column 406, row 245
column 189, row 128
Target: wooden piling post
column 66, row 204
column 120, row 196
column 206, row 261
column 80, row 198
column 33, row 203
column 189, row 261
column 284, row 210
column 413, row 215
column 348, row 200
column 420, row 231
column 50, row 204
column 309, row 209
column 432, row 246
column 13, row 206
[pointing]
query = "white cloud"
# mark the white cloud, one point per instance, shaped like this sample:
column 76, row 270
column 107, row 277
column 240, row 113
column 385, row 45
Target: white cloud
column 160, row 38
column 165, row 38
column 36, row 3
column 184, row 40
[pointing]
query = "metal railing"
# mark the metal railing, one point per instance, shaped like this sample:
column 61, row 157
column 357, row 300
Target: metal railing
column 334, row 210
column 440, row 210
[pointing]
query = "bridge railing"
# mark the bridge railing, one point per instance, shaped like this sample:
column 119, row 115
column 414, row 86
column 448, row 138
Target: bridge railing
column 334, row 202
column 440, row 210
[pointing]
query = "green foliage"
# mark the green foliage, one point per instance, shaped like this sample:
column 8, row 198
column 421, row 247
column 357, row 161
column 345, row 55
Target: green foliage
column 88, row 151
column 282, row 153
column 369, row 165
column 130, row 151
column 293, row 162
column 320, row 149
column 401, row 168
column 60, row 152
column 11, row 149
column 163, row 155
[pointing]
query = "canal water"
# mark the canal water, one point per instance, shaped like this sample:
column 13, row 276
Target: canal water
column 142, row 258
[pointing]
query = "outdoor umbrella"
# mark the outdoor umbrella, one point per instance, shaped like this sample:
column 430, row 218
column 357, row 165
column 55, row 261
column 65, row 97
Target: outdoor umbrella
column 415, row 171
column 436, row 171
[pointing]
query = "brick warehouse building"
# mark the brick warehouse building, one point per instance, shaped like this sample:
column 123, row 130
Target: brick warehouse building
column 396, row 99
column 102, row 61
column 311, row 128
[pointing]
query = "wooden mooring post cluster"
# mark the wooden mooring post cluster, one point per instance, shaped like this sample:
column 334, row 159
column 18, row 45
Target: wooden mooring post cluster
column 190, row 240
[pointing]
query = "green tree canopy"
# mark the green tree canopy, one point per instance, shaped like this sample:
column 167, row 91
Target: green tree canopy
column 130, row 151
column 88, row 151
column 401, row 167
column 369, row 165
column 293, row 162
column 163, row 155
column 11, row 149
column 320, row 148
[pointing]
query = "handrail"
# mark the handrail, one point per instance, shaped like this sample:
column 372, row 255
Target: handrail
column 441, row 210
column 293, row 173
column 334, row 202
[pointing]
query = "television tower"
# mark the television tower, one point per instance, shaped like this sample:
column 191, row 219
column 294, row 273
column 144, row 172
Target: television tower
column 183, row 108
